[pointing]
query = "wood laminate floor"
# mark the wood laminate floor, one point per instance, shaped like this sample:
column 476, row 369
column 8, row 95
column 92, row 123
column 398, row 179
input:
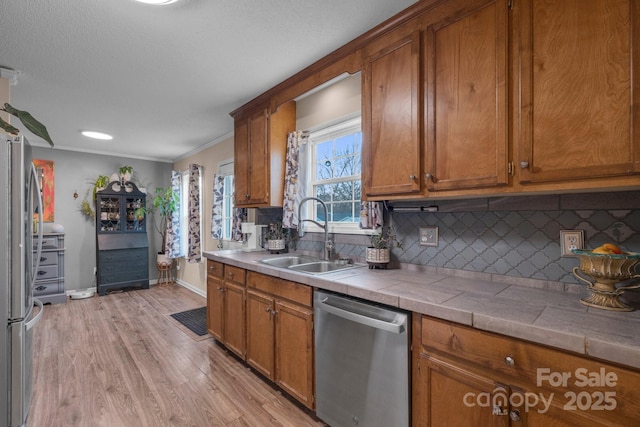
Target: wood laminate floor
column 119, row 360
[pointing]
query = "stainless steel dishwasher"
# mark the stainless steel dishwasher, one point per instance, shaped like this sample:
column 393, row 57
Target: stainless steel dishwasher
column 362, row 362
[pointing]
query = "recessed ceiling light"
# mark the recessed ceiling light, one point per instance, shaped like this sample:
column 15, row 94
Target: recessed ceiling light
column 157, row 2
column 97, row 135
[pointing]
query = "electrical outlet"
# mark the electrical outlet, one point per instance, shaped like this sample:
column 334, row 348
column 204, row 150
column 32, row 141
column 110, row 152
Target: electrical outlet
column 571, row 239
column 428, row 236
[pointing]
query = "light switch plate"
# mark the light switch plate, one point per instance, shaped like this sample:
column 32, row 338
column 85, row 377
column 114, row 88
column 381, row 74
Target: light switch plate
column 571, row 239
column 428, row 236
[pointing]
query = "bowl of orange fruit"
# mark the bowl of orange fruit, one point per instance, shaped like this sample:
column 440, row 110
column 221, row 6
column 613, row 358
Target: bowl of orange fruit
column 607, row 266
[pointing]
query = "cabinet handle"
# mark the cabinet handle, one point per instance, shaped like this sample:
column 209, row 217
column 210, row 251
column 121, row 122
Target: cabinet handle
column 509, row 361
column 412, row 177
column 220, row 289
column 524, row 165
column 212, row 268
column 514, row 415
column 231, row 275
column 430, row 176
column 41, row 288
column 246, row 196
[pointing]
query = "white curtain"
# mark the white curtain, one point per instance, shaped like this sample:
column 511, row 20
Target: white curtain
column 294, row 178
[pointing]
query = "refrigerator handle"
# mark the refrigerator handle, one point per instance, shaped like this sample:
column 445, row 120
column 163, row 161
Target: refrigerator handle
column 31, row 323
column 36, row 185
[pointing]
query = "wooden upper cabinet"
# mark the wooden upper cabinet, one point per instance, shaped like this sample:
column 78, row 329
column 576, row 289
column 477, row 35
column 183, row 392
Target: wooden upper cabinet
column 466, row 99
column 260, row 143
column 580, row 92
column 391, row 148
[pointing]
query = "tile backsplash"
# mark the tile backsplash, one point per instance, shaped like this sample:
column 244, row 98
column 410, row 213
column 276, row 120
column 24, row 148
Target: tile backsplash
column 512, row 236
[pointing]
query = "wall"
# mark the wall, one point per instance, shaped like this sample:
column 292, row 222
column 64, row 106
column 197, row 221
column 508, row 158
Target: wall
column 5, row 96
column 193, row 275
column 340, row 100
column 517, row 237
column 74, row 172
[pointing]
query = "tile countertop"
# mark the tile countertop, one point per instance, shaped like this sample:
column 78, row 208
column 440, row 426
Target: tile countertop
column 544, row 316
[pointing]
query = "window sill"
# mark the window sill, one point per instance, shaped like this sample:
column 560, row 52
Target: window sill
column 338, row 228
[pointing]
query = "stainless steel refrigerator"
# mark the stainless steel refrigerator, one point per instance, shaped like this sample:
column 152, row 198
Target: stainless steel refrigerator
column 20, row 198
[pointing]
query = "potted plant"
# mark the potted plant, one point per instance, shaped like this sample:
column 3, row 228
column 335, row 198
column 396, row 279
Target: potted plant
column 99, row 184
column 164, row 202
column 378, row 253
column 275, row 237
column 139, row 213
column 126, row 173
column 37, row 128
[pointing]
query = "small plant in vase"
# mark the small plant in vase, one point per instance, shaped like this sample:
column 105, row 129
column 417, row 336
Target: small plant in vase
column 276, row 237
column 378, row 253
column 126, row 173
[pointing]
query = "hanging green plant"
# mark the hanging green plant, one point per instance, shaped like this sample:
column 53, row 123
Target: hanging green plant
column 33, row 125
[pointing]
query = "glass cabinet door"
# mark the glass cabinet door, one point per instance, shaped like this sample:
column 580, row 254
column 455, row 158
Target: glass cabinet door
column 109, row 214
column 135, row 214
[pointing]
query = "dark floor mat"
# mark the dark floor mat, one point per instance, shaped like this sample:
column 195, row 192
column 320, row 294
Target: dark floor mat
column 195, row 320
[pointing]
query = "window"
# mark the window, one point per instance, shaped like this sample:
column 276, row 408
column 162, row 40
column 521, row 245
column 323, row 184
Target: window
column 225, row 170
column 184, row 212
column 227, row 206
column 335, row 166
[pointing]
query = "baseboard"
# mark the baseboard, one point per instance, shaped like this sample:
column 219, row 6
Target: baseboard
column 155, row 282
column 190, row 287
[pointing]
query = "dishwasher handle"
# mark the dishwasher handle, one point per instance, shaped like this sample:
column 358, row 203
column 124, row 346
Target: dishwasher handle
column 392, row 327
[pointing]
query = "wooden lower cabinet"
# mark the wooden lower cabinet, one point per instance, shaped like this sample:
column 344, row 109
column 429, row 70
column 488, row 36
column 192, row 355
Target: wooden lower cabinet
column 226, row 294
column 280, row 334
column 463, row 376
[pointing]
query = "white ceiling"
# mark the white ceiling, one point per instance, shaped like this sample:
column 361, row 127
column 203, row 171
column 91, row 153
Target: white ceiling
column 163, row 80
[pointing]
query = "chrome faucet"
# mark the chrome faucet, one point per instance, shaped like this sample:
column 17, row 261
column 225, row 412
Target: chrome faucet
column 328, row 245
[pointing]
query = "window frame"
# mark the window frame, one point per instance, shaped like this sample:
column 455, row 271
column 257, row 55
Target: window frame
column 333, row 130
column 226, row 170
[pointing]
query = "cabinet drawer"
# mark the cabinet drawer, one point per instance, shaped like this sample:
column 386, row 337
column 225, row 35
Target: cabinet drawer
column 46, row 258
column 215, row 269
column 292, row 291
column 529, row 365
column 234, row 274
column 47, row 288
column 131, row 266
column 123, row 276
column 47, row 243
column 125, row 255
column 47, row 272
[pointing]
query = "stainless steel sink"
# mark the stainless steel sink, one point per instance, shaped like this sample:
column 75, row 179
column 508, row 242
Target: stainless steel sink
column 288, row 261
column 307, row 264
column 321, row 267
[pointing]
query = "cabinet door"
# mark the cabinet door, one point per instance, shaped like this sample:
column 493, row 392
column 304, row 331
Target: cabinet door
column 294, row 351
column 234, row 318
column 215, row 308
column 390, row 124
column 456, row 397
column 259, row 155
column 251, row 160
column 466, row 100
column 260, row 333
column 580, row 65
column 241, row 162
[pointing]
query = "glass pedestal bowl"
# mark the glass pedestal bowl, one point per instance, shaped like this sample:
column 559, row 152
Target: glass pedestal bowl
column 606, row 271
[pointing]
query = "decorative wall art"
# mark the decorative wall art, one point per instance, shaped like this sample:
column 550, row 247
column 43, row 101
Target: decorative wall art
column 44, row 169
